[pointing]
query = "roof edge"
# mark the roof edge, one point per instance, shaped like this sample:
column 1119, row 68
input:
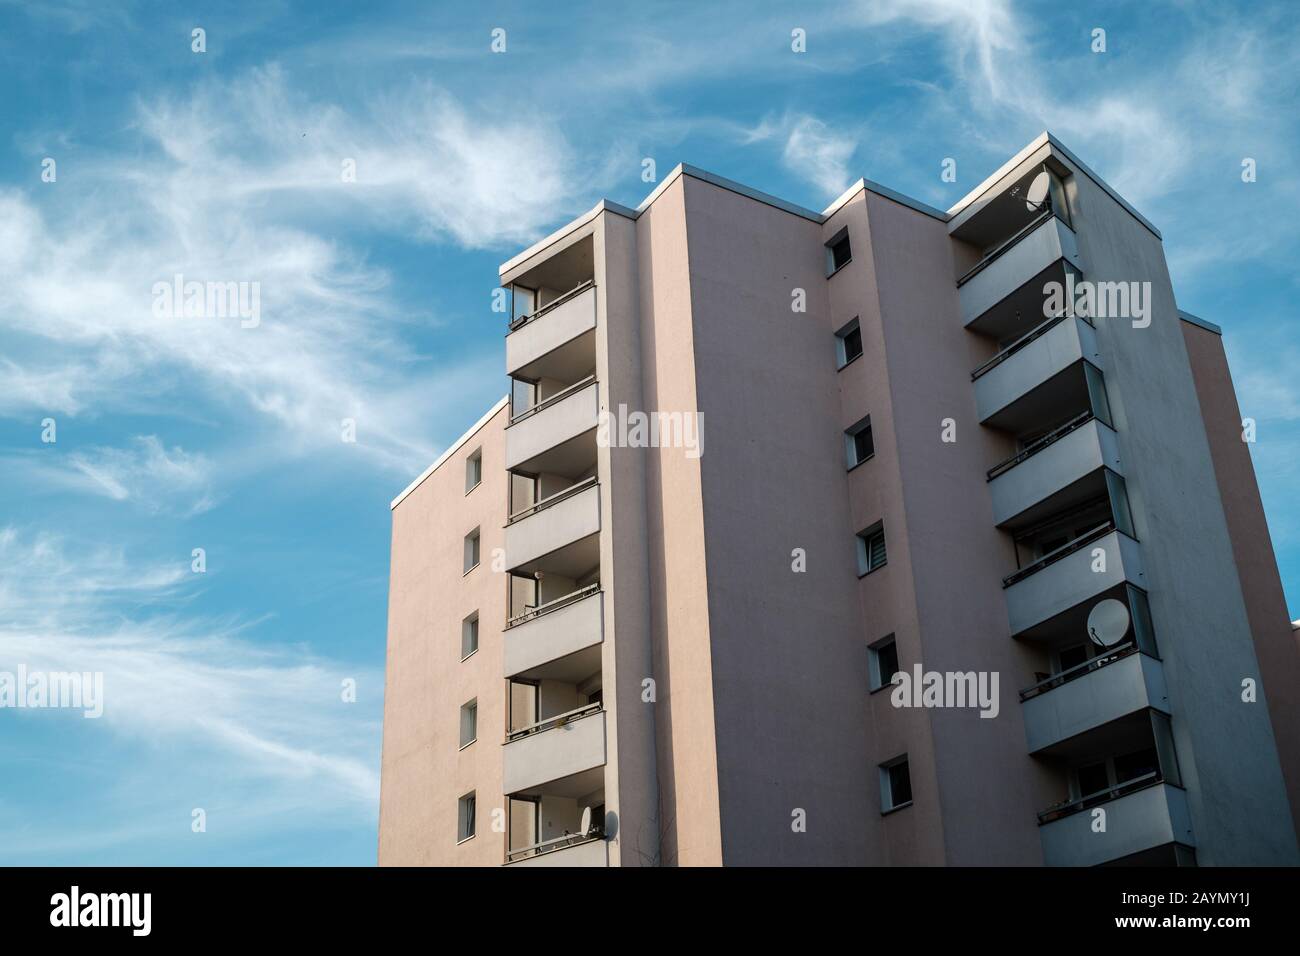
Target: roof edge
column 451, row 450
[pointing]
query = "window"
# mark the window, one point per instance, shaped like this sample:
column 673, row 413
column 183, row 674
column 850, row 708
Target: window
column 895, row 785
column 848, row 343
column 471, row 551
column 858, row 443
column 465, row 818
column 473, row 471
column 871, row 548
column 469, row 635
column 838, row 253
column 468, row 723
column 882, row 657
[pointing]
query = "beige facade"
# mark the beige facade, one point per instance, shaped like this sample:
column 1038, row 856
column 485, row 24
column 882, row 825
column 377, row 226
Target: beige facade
column 905, row 461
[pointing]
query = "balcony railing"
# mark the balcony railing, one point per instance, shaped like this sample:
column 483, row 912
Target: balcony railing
column 537, row 610
column 554, row 499
column 552, row 399
column 1038, row 444
column 523, row 320
column 1056, row 812
column 1006, row 245
column 553, row 844
column 1064, row 551
column 1078, row 670
column 1036, row 332
column 559, row 720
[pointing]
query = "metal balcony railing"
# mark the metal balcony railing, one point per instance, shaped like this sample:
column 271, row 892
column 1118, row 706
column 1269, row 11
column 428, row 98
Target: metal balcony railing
column 559, row 720
column 556, row 498
column 537, row 610
column 552, row 399
column 1064, row 551
column 1028, row 338
column 553, row 844
column 1038, row 444
column 1003, row 247
column 1056, row 812
column 518, row 323
column 1079, row 670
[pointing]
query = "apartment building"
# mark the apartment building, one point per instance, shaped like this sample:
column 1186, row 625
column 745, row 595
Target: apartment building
column 916, row 456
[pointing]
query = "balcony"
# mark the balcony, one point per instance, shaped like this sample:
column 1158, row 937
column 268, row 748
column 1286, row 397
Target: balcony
column 558, row 434
column 1050, row 473
column 558, row 534
column 568, row 747
column 1029, row 371
column 1008, row 282
column 1091, row 695
column 1064, row 578
column 559, row 640
column 569, row 850
column 1141, row 815
column 558, row 340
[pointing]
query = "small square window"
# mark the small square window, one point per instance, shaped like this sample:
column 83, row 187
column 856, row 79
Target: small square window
column 473, row 471
column 848, row 343
column 471, row 550
column 838, row 252
column 871, row 549
column 469, row 635
column 858, row 443
column 883, row 659
column 468, row 723
column 895, row 784
column 465, row 818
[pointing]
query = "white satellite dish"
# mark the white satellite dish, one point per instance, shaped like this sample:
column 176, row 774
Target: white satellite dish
column 585, row 829
column 1108, row 622
column 1038, row 191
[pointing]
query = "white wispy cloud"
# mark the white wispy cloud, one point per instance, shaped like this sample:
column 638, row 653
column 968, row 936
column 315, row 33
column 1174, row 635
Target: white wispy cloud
column 271, row 715
column 812, row 150
column 149, row 474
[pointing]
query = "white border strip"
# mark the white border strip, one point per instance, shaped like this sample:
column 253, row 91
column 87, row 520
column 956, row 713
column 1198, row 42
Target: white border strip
column 451, row 451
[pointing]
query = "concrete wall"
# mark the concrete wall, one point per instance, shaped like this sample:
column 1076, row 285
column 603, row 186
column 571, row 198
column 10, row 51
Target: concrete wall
column 1252, row 550
column 424, row 771
column 988, row 789
column 685, row 733
column 1226, row 750
column 788, row 657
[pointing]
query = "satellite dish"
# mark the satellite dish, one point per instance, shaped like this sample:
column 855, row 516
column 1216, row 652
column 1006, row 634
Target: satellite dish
column 1038, row 191
column 585, row 829
column 1108, row 622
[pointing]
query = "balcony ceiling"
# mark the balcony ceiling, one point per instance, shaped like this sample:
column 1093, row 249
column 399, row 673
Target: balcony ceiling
column 1090, row 486
column 571, row 362
column 1121, row 736
column 1070, row 627
column 564, row 270
column 1022, row 310
column 1050, row 403
column 572, row 561
column 572, row 669
column 571, row 459
column 574, row 787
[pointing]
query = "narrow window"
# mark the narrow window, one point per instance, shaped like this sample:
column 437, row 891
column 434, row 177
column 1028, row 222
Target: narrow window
column 838, row 252
column 858, row 443
column 871, row 549
column 848, row 343
column 468, row 723
column 883, row 659
column 895, row 784
column 465, row 818
column 469, row 635
column 473, row 471
column 471, row 550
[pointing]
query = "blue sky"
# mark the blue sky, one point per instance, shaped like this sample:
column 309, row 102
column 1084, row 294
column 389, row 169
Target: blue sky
column 224, row 688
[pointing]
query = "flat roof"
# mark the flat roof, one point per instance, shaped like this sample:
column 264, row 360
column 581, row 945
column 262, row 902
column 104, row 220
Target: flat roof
column 1044, row 138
